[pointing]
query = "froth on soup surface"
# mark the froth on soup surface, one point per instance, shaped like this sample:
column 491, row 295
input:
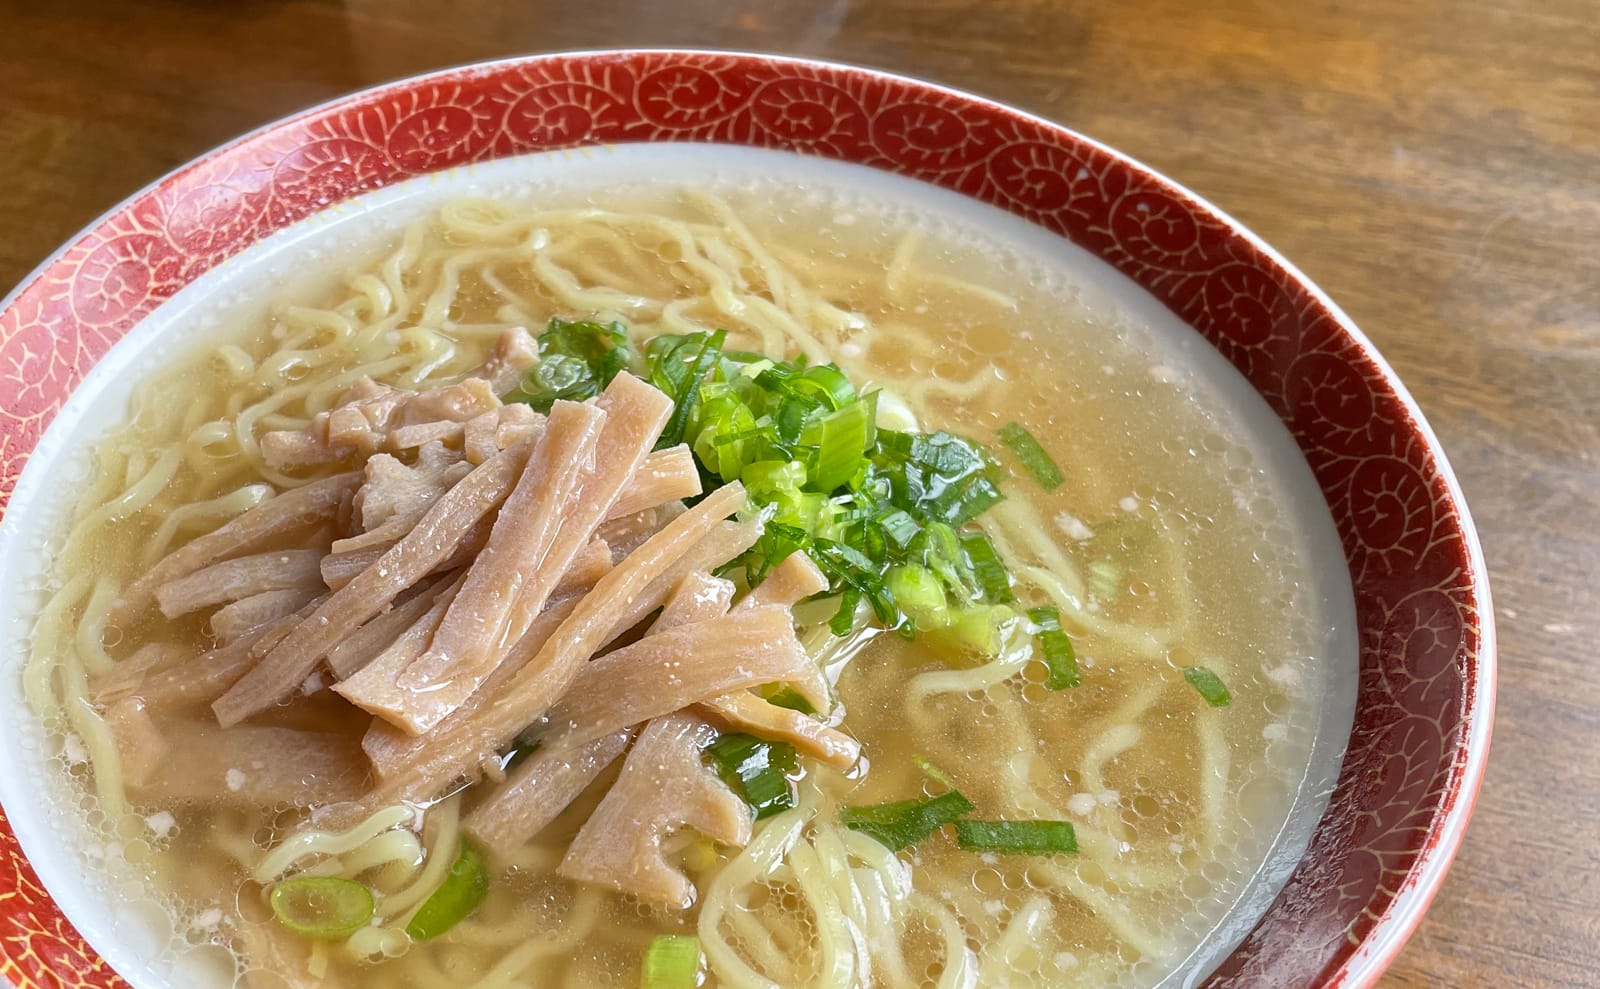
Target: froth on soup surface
column 1162, row 550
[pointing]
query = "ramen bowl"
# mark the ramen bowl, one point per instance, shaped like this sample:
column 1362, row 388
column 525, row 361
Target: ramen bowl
column 1423, row 638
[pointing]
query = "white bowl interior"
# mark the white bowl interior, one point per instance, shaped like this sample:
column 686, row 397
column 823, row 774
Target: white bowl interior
column 98, row 892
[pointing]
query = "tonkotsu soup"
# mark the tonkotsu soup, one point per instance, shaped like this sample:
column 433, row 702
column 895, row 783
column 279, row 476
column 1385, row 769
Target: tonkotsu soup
column 724, row 586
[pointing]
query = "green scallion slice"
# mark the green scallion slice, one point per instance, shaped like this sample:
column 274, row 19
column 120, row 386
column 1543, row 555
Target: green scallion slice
column 899, row 527
column 841, row 439
column 757, row 770
column 1208, row 685
column 977, row 627
column 685, row 384
column 787, row 696
column 576, row 360
column 671, row 962
column 1017, row 837
column 463, row 891
column 1033, row 456
column 986, row 567
column 962, row 502
column 1056, row 648
column 903, row 823
column 325, row 908
column 931, row 771
column 918, row 593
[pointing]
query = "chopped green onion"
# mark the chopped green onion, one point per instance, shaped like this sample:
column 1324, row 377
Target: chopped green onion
column 1209, row 685
column 938, row 477
column 941, row 552
column 827, row 383
column 576, row 360
column 979, row 627
column 903, row 823
column 986, row 567
column 1057, row 649
column 325, row 908
column 961, row 503
column 671, row 962
column 920, row 595
column 682, row 379
column 841, row 439
column 844, row 620
column 1105, row 578
column 463, row 891
column 858, row 498
column 770, row 480
column 1017, row 837
column 931, row 771
column 757, row 770
column 845, row 565
column 899, row 527
column 786, row 696
column 1032, row 455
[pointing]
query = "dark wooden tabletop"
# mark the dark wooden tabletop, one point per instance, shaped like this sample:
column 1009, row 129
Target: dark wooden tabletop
column 1433, row 164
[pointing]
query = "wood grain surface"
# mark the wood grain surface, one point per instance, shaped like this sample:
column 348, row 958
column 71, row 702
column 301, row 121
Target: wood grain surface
column 1433, row 164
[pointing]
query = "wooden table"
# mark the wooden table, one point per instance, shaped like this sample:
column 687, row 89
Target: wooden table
column 1434, row 164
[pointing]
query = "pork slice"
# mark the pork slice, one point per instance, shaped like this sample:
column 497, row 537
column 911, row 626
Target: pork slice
column 394, row 495
column 371, row 639
column 665, row 476
column 435, row 537
column 391, row 749
column 788, row 583
column 443, row 432
column 742, row 710
column 239, row 578
column 627, row 533
column 124, row 679
column 362, row 403
column 458, row 402
column 248, row 614
column 140, row 747
column 484, row 436
column 618, row 597
column 295, row 449
column 658, row 674
column 511, row 579
column 207, row 676
column 791, row 581
column 372, row 417
column 537, row 791
column 292, row 513
column 368, row 425
column 698, row 597
column 478, row 436
column 515, row 423
column 515, row 352
column 253, row 766
column 664, row 786
column 377, row 688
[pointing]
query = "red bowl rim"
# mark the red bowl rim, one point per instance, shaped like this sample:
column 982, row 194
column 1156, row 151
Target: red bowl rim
column 1400, row 919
